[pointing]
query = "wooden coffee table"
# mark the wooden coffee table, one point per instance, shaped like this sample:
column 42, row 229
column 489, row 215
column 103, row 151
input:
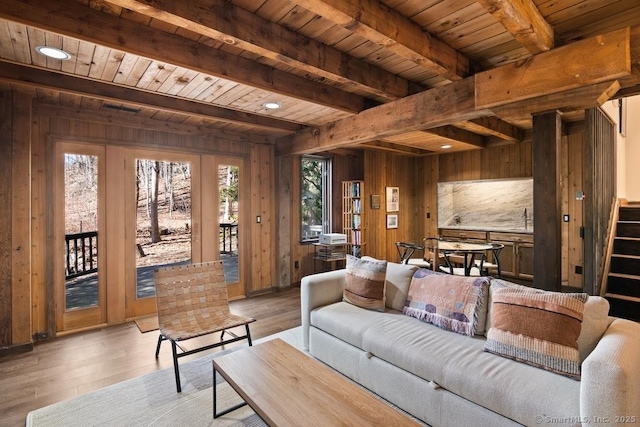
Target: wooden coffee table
column 286, row 387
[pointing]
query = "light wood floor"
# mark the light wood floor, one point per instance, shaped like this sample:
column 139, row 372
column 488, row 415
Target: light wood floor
column 69, row 366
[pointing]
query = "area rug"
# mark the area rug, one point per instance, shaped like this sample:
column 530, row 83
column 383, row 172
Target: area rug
column 147, row 324
column 151, row 400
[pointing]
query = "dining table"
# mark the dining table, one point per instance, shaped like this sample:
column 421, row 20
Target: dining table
column 468, row 250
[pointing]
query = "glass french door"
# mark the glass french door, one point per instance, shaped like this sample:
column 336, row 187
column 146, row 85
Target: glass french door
column 79, row 279
column 232, row 225
column 108, row 246
column 162, row 221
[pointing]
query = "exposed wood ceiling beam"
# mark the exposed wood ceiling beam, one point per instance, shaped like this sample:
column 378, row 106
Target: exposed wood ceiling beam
column 593, row 60
column 493, row 126
column 467, row 99
column 459, row 135
column 572, row 100
column 440, row 106
column 524, row 21
column 397, row 148
column 628, row 91
column 80, row 86
column 386, row 27
column 119, row 119
column 76, row 20
column 230, row 24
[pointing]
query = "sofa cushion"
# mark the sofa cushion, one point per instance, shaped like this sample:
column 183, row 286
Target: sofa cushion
column 538, row 328
column 365, row 283
column 457, row 363
column 595, row 319
column 348, row 322
column 450, row 302
column 397, row 283
column 595, row 322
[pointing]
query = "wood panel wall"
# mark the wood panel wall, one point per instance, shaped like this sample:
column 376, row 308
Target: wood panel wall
column 600, row 190
column 383, row 169
column 6, row 191
column 572, row 182
column 27, row 135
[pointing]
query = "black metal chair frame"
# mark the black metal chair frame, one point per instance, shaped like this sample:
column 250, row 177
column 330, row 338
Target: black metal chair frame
column 495, row 250
column 406, row 250
column 183, row 353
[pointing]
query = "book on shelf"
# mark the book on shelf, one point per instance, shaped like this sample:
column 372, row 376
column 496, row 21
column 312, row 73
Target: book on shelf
column 355, row 237
column 355, row 189
column 356, row 206
column 356, row 221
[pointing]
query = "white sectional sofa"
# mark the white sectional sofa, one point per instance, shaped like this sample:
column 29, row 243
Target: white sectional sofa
column 446, row 379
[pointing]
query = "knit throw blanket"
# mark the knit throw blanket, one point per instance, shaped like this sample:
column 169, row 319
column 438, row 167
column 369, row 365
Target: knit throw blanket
column 449, row 302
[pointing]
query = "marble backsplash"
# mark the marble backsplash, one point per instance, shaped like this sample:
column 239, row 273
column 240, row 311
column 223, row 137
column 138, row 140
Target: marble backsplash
column 495, row 205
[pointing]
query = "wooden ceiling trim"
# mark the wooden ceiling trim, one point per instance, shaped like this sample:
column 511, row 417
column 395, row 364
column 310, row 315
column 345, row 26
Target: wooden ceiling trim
column 582, row 20
column 455, row 134
column 493, row 126
column 584, row 62
column 80, row 86
column 396, row 148
column 524, row 21
column 74, row 20
column 388, row 28
column 247, row 31
column 159, row 124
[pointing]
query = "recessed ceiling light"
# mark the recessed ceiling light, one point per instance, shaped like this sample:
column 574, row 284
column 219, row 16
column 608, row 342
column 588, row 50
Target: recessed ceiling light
column 272, row 105
column 445, row 147
column 53, row 52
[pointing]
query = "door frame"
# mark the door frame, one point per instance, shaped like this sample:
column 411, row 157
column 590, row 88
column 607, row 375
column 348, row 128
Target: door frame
column 211, row 225
column 134, row 307
column 84, row 317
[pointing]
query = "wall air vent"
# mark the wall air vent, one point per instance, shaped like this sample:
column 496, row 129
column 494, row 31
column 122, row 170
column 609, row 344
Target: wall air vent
column 121, row 108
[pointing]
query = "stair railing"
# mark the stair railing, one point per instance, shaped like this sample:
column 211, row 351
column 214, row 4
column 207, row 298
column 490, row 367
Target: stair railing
column 608, row 250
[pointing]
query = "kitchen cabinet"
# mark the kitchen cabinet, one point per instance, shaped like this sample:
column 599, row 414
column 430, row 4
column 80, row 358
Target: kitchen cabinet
column 516, row 259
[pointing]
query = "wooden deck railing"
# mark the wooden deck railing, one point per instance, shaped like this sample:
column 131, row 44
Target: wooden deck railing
column 81, row 254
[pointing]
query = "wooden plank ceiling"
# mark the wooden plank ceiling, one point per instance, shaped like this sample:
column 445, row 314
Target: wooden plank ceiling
column 407, row 76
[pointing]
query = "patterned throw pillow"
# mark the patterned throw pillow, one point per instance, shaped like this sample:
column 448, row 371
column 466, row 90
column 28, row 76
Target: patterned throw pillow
column 538, row 328
column 365, row 283
column 454, row 303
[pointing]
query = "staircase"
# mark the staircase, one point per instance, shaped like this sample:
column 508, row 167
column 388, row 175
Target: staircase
column 623, row 282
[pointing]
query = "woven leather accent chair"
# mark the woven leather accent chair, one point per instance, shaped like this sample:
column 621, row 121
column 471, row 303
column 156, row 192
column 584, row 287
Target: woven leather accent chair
column 192, row 301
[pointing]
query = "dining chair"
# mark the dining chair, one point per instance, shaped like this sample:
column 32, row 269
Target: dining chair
column 484, row 265
column 192, row 301
column 451, row 259
column 428, row 249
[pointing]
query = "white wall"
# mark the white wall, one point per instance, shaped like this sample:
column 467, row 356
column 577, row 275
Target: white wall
column 632, row 153
column 612, row 110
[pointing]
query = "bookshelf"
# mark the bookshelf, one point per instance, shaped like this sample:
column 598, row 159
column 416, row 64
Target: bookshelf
column 353, row 214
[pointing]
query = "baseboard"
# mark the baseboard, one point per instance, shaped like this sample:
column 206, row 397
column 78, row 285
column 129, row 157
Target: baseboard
column 16, row 349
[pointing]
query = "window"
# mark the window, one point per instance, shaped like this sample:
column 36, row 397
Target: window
column 315, row 197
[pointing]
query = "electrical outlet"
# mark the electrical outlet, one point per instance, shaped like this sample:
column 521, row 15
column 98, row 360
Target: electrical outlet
column 578, row 269
column 296, row 264
column 428, row 215
column 258, row 219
